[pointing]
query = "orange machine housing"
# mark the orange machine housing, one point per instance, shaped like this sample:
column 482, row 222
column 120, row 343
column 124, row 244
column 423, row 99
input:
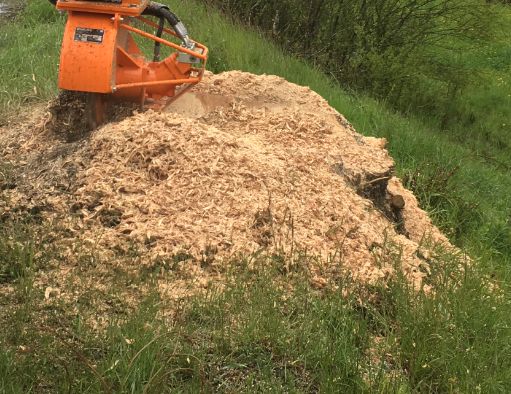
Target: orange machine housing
column 99, row 54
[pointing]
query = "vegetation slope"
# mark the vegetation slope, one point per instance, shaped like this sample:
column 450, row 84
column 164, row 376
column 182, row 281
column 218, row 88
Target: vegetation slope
column 256, row 335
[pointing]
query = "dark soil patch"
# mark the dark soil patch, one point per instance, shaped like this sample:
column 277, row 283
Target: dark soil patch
column 72, row 118
column 10, row 8
column 69, row 118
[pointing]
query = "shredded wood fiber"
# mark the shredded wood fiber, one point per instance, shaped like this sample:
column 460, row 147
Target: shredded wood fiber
column 245, row 164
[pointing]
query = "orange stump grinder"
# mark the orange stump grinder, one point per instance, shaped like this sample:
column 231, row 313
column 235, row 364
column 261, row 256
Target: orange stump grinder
column 100, row 56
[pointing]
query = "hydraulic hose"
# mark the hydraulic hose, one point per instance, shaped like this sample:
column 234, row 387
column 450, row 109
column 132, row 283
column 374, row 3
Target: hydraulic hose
column 162, row 11
column 157, row 45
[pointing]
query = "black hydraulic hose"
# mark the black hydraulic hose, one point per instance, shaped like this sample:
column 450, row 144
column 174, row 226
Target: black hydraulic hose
column 162, row 11
column 157, row 44
column 157, row 9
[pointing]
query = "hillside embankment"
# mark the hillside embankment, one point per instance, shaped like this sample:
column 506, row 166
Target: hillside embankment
column 244, row 165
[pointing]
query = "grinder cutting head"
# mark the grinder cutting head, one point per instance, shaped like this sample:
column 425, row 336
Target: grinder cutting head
column 100, row 56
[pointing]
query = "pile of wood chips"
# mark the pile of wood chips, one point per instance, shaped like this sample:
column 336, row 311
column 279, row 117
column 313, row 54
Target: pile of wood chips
column 244, row 165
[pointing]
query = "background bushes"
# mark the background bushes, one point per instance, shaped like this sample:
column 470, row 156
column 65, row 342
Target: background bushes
column 408, row 52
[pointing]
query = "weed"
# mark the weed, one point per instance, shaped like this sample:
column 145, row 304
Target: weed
column 17, row 252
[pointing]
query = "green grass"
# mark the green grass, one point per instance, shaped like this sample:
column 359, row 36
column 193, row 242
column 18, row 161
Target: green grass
column 477, row 118
column 254, row 336
column 29, row 53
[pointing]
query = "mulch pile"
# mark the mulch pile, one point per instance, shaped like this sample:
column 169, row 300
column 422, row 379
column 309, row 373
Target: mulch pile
column 245, row 165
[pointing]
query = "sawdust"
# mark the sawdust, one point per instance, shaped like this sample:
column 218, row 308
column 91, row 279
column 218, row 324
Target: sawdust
column 246, row 165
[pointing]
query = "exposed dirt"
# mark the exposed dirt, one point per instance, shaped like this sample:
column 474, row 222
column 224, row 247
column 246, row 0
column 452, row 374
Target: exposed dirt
column 246, row 165
column 70, row 117
column 9, row 9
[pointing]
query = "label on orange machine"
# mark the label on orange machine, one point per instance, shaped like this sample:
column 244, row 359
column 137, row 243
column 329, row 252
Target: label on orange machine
column 87, row 60
column 85, row 34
